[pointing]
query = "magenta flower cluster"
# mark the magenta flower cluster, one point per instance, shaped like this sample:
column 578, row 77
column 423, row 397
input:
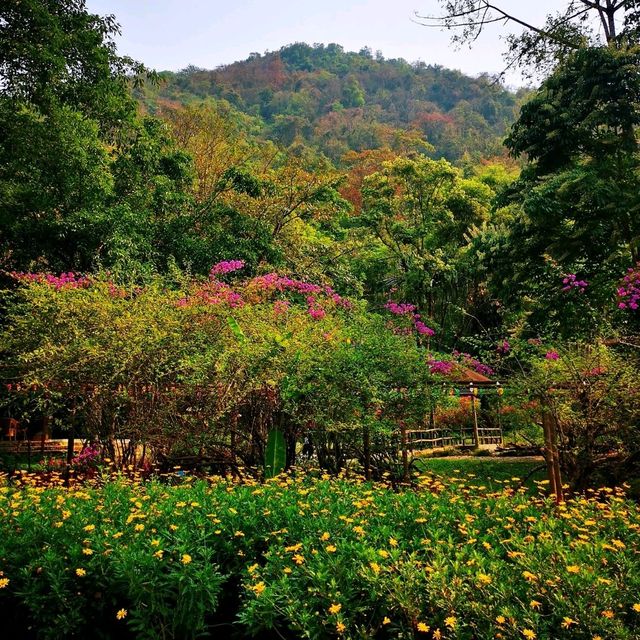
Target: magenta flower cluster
column 571, row 283
column 552, row 355
column 226, row 266
column 405, row 309
column 68, row 280
column 216, row 292
column 629, row 289
column 400, row 309
column 440, row 367
column 472, row 363
column 271, row 282
column 504, row 347
column 87, row 456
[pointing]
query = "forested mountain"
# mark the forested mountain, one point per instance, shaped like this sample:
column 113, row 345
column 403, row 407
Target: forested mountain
column 339, row 101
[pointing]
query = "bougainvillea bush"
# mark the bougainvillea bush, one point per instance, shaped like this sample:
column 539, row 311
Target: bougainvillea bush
column 204, row 369
column 309, row 556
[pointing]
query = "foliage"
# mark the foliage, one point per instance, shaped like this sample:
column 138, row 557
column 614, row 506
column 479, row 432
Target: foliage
column 338, row 101
column 591, row 392
column 317, row 558
column 205, row 369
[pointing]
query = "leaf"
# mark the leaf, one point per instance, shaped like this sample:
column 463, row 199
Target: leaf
column 275, row 455
column 235, row 327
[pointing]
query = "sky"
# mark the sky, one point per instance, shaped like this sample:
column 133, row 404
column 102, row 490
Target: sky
column 171, row 34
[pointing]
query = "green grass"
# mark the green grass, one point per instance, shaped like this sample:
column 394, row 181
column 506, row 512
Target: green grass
column 489, row 471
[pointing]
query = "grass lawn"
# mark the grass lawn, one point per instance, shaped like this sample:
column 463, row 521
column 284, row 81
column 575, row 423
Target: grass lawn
column 490, row 471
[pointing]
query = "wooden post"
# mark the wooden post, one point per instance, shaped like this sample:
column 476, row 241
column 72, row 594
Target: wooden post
column 548, row 455
column 476, row 432
column 499, row 392
column 551, row 453
column 556, row 460
column 405, row 453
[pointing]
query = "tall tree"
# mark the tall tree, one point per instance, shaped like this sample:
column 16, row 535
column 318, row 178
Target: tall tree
column 83, row 179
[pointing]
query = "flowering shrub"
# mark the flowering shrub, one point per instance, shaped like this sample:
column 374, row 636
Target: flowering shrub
column 89, row 458
column 68, row 280
column 409, row 311
column 203, row 370
column 629, row 290
column 225, row 267
column 307, row 556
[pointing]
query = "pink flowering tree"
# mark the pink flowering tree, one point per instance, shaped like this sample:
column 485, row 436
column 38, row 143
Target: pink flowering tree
column 204, row 371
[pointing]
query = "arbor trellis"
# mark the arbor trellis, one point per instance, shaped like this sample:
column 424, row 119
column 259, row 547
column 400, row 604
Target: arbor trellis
column 474, row 386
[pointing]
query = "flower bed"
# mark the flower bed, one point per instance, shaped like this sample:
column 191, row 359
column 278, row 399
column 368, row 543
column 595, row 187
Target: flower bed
column 315, row 557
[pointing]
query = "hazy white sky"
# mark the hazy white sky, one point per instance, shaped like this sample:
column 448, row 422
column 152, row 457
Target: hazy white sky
column 170, row 34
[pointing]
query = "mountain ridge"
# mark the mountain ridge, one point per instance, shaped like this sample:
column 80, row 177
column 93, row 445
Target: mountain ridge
column 341, row 101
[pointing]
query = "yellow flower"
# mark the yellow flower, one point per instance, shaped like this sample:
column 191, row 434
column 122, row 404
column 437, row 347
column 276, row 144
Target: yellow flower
column 287, row 570
column 483, row 578
column 331, row 548
column 81, row 573
column 573, row 568
column 386, row 620
column 158, row 554
column 450, row 622
column 500, row 619
column 186, row 558
column 383, row 554
column 155, row 543
column 529, row 634
column 393, row 542
column 4, row 582
column 122, row 614
column 375, row 567
column 423, row 628
column 325, row 536
column 567, row 622
column 87, row 552
column 298, row 559
column 534, row 604
column 636, row 607
column 90, row 527
column 531, row 577
column 139, row 527
column 437, row 634
column 335, row 608
column 340, row 627
column 258, row 588
column 608, row 614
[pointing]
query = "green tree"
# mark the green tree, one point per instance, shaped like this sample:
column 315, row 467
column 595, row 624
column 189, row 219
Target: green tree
column 420, row 210
column 83, row 179
column 578, row 194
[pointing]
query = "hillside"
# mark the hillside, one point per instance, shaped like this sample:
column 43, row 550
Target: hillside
column 339, row 101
